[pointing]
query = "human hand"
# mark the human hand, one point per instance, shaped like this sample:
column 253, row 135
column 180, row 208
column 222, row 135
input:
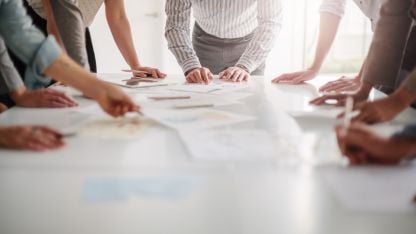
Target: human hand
column 114, row 100
column 362, row 146
column 35, row 138
column 359, row 96
column 381, row 110
column 234, row 74
column 148, row 71
column 199, row 75
column 42, row 98
column 343, row 84
column 296, row 78
column 3, row 107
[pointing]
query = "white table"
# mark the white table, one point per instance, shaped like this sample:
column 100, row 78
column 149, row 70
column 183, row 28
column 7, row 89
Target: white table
column 45, row 193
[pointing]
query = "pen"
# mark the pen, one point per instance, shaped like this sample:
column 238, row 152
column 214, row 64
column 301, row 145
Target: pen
column 193, row 106
column 169, row 98
column 349, row 105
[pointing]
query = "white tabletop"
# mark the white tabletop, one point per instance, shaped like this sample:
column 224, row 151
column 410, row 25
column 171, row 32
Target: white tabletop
column 150, row 184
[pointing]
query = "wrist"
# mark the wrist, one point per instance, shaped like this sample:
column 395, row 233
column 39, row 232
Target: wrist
column 404, row 97
column 16, row 94
column 315, row 68
column 191, row 70
column 243, row 67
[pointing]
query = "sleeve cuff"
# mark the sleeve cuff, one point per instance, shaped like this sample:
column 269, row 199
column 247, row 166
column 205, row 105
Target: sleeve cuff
column 190, row 64
column 247, row 63
column 47, row 53
column 334, row 7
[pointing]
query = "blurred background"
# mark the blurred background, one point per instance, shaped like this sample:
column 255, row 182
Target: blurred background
column 295, row 46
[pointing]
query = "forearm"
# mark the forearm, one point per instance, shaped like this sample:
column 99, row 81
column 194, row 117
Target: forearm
column 270, row 21
column 67, row 71
column 329, row 24
column 120, row 28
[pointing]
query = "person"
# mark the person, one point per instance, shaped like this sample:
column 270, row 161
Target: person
column 44, row 58
column 331, row 13
column 361, row 145
column 230, row 38
column 383, row 64
column 71, row 19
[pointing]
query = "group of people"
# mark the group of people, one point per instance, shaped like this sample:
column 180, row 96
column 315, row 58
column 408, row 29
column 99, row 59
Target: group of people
column 44, row 41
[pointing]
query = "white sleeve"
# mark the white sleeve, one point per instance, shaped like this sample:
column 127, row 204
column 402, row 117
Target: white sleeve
column 336, row 7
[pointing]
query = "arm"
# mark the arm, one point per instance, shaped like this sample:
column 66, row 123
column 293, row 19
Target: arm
column 389, row 42
column 9, row 77
column 269, row 19
column 120, row 28
column 51, row 23
column 177, row 33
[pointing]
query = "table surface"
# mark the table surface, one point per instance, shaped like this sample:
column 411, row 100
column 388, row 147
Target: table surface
column 46, row 192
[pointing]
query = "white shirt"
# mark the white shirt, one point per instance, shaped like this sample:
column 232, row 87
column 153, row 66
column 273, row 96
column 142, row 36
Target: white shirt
column 223, row 19
column 88, row 8
column 370, row 8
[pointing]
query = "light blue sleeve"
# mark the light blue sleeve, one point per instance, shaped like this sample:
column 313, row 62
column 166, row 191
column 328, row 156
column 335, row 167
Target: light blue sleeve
column 27, row 42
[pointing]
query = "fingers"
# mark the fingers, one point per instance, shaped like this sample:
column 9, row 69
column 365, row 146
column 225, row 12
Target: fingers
column 234, row 74
column 200, row 76
column 55, row 99
column 205, row 76
column 323, row 99
column 227, row 74
column 287, row 77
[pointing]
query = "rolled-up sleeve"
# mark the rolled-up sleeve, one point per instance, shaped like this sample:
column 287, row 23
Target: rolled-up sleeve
column 10, row 79
column 178, row 34
column 270, row 22
column 27, row 42
column 336, row 7
column 389, row 42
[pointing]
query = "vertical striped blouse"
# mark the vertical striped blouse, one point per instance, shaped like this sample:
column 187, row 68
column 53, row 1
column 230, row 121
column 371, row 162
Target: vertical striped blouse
column 223, row 19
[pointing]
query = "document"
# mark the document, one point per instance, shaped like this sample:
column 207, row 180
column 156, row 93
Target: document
column 216, row 87
column 373, row 189
column 230, row 145
column 195, row 119
column 122, row 79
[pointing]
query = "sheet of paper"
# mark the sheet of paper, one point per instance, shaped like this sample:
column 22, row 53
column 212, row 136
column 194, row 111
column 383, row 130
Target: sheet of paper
column 117, row 189
column 119, row 79
column 235, row 145
column 194, row 119
column 373, row 189
column 216, row 87
column 123, row 127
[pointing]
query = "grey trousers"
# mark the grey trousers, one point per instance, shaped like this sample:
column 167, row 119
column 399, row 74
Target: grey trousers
column 218, row 54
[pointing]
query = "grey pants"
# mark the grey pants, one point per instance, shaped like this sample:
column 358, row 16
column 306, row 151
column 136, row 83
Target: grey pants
column 218, row 54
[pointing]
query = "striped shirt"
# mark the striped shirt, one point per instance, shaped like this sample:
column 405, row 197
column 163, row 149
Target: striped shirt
column 224, row 19
column 88, row 8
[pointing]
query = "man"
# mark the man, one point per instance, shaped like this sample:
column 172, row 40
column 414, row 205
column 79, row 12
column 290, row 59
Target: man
column 331, row 13
column 230, row 38
column 44, row 58
column 383, row 65
column 362, row 146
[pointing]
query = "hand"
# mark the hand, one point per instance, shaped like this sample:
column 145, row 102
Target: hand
column 3, row 108
column 296, row 77
column 234, row 74
column 361, row 146
column 113, row 100
column 343, row 84
column 339, row 99
column 382, row 110
column 35, row 138
column 199, row 75
column 42, row 98
column 153, row 72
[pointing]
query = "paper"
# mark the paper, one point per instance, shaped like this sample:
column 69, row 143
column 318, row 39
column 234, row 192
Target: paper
column 115, row 189
column 195, row 119
column 374, row 189
column 223, row 145
column 123, row 127
column 216, row 87
column 119, row 79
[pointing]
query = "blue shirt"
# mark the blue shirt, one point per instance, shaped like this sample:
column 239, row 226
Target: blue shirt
column 27, row 42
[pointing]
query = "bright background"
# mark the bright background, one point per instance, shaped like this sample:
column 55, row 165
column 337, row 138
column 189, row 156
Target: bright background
column 295, row 46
